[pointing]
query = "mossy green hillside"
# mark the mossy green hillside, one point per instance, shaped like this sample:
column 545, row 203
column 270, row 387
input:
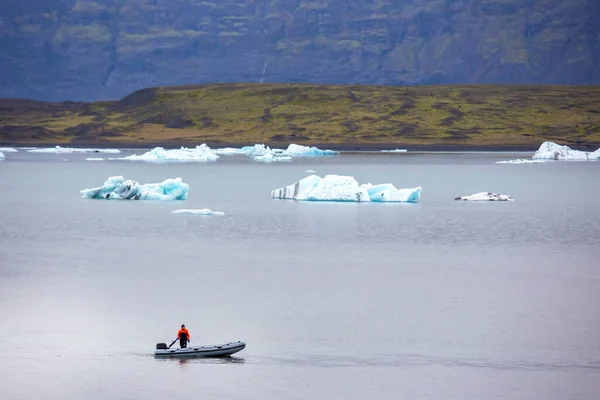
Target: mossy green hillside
column 466, row 115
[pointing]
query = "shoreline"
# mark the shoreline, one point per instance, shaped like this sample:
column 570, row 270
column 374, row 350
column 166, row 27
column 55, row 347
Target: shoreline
column 342, row 147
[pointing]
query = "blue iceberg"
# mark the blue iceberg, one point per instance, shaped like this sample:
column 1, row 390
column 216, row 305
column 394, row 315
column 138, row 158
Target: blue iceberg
column 346, row 189
column 119, row 188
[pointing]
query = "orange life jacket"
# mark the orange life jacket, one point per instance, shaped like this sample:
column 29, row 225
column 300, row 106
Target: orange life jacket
column 185, row 331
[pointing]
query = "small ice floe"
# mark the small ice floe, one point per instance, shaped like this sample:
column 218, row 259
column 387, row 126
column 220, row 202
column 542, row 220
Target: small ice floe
column 296, row 150
column 1, row 156
column 119, row 188
column 553, row 151
column 201, row 153
column 344, row 189
column 203, row 211
column 394, row 151
column 521, row 161
column 94, row 159
column 486, row 196
column 310, row 171
column 62, row 150
column 8, row 150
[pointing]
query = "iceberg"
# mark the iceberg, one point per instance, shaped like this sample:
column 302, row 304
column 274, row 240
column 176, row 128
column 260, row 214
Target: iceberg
column 553, row 151
column 8, row 150
column 203, row 211
column 345, row 189
column 486, row 196
column 1, row 156
column 521, row 161
column 272, row 156
column 61, row 150
column 228, row 151
column 394, row 151
column 256, row 150
column 201, row 153
column 94, row 159
column 387, row 193
column 119, row 188
column 297, row 150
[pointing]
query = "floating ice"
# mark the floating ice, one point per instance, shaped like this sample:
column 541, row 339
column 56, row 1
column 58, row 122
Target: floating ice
column 344, row 188
column 228, row 151
column 388, row 193
column 553, row 151
column 119, row 188
column 8, row 150
column 486, row 196
column 201, row 153
column 94, row 159
column 394, row 151
column 1, row 156
column 61, row 150
column 256, row 150
column 310, row 171
column 521, row 161
column 203, row 211
column 297, row 150
column 272, row 156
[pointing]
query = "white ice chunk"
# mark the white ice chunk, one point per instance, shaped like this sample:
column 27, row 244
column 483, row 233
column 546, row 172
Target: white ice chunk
column 119, row 188
column 201, row 153
column 95, row 159
column 1, row 156
column 8, row 150
column 61, row 150
column 203, row 211
column 228, row 151
column 553, row 151
column 394, row 151
column 344, row 188
column 272, row 156
column 486, row 196
column 388, row 193
column 256, row 150
column 311, row 171
column 296, row 150
column 521, row 161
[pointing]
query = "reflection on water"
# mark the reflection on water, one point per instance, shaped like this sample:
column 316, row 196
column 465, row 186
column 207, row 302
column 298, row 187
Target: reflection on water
column 202, row 360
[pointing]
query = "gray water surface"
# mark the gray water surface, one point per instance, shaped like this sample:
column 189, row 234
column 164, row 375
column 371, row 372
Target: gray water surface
column 436, row 300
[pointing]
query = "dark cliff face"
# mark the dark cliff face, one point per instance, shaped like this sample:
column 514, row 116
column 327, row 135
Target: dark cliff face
column 105, row 49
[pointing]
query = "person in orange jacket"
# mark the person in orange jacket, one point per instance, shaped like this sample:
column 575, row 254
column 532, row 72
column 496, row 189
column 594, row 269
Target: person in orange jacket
column 184, row 337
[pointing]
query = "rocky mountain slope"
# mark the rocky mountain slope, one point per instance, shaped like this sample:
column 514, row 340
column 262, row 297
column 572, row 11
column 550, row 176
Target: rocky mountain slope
column 105, row 49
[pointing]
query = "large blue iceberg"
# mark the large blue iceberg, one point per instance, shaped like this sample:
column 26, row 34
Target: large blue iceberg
column 344, row 188
column 119, row 188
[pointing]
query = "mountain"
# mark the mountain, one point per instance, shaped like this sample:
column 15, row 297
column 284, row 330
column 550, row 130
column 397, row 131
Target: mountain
column 105, row 49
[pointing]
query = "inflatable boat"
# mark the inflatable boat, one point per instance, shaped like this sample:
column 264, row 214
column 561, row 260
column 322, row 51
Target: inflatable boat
column 217, row 350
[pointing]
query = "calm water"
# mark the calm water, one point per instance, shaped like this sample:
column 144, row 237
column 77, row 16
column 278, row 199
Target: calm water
column 436, row 300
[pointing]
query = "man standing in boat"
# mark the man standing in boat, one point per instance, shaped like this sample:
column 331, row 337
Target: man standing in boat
column 184, row 337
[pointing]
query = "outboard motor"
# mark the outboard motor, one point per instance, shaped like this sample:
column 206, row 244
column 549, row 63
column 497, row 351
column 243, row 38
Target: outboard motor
column 161, row 346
